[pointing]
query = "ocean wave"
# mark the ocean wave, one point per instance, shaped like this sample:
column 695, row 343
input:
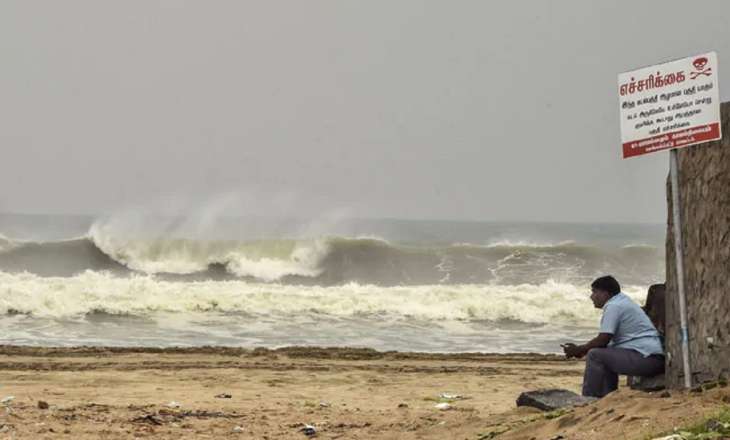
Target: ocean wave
column 6, row 243
column 331, row 260
column 528, row 244
column 145, row 295
column 265, row 260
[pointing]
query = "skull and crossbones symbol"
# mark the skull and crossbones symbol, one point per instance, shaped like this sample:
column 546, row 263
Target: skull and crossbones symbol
column 700, row 64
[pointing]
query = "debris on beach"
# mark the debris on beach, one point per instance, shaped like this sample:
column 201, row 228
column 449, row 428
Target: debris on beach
column 174, row 404
column 443, row 406
column 450, row 396
column 309, row 430
column 42, row 404
column 552, row 399
column 149, row 418
column 324, row 404
column 403, row 405
column 223, row 396
column 237, row 429
column 7, row 400
column 165, row 416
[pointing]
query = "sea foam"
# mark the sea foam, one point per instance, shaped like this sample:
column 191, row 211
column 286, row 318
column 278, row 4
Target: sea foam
column 144, row 295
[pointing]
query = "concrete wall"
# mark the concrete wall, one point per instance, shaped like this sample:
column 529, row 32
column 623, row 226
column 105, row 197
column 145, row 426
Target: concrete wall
column 704, row 183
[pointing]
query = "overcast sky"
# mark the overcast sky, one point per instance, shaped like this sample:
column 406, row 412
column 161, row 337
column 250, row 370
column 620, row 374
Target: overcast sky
column 483, row 110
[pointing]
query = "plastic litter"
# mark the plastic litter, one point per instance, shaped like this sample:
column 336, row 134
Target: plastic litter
column 309, row 430
column 443, row 406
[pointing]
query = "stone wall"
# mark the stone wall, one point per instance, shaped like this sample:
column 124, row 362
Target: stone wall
column 704, row 183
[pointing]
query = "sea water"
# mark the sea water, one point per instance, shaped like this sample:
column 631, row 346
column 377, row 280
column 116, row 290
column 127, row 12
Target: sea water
column 436, row 286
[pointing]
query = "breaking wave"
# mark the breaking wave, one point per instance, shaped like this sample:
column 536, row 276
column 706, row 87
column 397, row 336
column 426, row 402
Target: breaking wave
column 143, row 295
column 264, row 260
column 331, row 260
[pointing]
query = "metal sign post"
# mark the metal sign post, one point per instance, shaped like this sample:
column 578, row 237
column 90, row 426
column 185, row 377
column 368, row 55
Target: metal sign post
column 679, row 261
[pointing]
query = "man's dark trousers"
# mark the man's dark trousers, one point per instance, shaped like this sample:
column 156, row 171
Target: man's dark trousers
column 603, row 366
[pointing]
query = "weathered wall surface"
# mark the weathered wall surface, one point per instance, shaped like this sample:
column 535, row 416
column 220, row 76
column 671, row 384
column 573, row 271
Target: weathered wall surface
column 704, row 183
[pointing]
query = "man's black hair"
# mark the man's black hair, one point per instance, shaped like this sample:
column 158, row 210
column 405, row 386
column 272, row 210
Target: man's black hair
column 607, row 284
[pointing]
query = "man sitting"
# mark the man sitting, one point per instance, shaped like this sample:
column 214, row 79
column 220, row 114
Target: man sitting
column 628, row 342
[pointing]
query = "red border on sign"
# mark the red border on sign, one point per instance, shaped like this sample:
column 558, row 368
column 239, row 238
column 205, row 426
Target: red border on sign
column 675, row 139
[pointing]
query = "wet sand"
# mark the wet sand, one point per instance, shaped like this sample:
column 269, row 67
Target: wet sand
column 344, row 393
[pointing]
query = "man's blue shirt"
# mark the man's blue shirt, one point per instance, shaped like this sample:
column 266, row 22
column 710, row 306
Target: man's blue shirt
column 630, row 326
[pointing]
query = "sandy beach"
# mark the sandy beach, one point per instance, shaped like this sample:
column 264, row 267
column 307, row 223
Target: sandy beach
column 115, row 393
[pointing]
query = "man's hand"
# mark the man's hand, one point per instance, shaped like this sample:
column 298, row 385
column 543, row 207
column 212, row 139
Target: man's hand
column 573, row 351
column 578, row 351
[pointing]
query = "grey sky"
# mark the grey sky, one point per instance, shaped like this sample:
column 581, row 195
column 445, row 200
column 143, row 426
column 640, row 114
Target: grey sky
column 408, row 109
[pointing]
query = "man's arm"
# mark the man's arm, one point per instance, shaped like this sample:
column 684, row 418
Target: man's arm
column 609, row 326
column 579, row 351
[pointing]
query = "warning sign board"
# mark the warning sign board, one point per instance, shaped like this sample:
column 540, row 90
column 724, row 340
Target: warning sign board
column 670, row 105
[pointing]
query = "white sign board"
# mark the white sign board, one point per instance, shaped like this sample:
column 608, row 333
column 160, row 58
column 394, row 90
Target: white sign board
column 670, row 105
